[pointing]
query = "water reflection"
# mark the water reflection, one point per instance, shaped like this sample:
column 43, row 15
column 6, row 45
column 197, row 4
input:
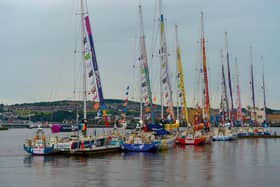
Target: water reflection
column 246, row 162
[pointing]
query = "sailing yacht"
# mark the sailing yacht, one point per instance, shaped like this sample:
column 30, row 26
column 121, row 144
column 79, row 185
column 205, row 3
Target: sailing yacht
column 225, row 131
column 139, row 140
column 80, row 143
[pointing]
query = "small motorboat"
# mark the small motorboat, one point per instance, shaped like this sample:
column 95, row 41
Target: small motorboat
column 40, row 145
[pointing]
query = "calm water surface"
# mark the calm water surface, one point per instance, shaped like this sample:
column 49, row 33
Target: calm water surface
column 251, row 162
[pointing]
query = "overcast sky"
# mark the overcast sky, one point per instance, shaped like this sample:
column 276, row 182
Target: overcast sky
column 38, row 39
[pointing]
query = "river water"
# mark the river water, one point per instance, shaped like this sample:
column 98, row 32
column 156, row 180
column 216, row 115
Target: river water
column 246, row 162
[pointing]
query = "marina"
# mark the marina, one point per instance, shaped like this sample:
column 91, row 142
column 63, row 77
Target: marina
column 165, row 111
column 246, row 162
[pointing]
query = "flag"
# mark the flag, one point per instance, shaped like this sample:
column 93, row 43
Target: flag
column 87, row 57
column 93, row 90
column 96, row 106
column 106, row 118
column 144, row 84
column 95, row 97
column 147, row 110
column 90, row 73
column 164, row 80
column 155, row 99
column 85, row 40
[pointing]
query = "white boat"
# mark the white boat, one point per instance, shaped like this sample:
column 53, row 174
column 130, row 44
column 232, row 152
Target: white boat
column 40, row 144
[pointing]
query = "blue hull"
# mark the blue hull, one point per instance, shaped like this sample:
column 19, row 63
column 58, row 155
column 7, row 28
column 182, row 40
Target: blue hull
column 224, row 138
column 43, row 151
column 243, row 134
column 141, row 147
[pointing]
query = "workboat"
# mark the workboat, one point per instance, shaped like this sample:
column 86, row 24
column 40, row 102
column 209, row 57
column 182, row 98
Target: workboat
column 40, row 144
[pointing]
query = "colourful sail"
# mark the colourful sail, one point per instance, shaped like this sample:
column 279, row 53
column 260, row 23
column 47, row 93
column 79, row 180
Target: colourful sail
column 145, row 80
column 207, row 101
column 165, row 81
column 181, row 93
column 96, row 71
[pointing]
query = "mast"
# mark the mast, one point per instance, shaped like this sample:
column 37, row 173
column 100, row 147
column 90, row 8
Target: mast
column 229, row 80
column 263, row 87
column 180, row 73
column 178, row 90
column 225, row 96
column 161, row 59
column 252, row 83
column 238, row 93
column 207, row 101
column 95, row 69
column 141, row 95
column 165, row 85
column 145, row 72
column 83, row 59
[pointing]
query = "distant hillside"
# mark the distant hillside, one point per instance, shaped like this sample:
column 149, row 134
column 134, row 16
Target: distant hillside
column 66, row 110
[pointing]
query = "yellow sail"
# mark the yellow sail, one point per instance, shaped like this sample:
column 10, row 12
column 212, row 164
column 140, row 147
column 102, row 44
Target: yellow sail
column 180, row 71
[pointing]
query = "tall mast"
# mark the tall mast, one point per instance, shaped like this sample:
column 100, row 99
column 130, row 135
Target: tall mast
column 145, row 70
column 178, row 89
column 252, row 82
column 83, row 59
column 207, row 101
column 238, row 93
column 165, row 81
column 141, row 94
column 180, row 71
column 161, row 59
column 263, row 87
column 229, row 80
column 95, row 68
column 225, row 96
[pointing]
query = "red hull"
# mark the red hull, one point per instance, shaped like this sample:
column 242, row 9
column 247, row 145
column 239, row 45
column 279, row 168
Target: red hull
column 191, row 141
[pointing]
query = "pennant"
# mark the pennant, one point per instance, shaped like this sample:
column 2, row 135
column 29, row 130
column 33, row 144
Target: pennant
column 87, row 57
column 164, row 80
column 96, row 106
column 144, row 84
column 168, row 109
column 179, row 85
column 93, row 90
column 94, row 97
column 85, row 40
column 106, row 118
column 90, row 73
column 155, row 99
column 147, row 110
column 146, row 103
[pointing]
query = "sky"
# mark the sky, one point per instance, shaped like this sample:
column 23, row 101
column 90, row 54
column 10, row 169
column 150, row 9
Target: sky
column 38, row 39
